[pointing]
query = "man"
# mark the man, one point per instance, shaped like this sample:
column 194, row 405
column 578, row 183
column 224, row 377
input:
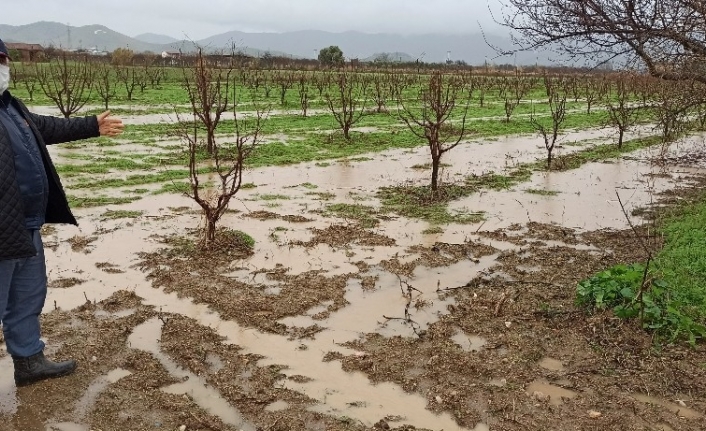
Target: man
column 31, row 195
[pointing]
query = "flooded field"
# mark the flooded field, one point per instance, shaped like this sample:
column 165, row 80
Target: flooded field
column 332, row 325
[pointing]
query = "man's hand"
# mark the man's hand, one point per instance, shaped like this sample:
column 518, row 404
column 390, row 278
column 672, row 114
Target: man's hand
column 109, row 126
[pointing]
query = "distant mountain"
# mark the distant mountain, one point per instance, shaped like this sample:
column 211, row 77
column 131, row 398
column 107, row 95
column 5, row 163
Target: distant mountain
column 157, row 39
column 471, row 48
column 104, row 39
column 69, row 37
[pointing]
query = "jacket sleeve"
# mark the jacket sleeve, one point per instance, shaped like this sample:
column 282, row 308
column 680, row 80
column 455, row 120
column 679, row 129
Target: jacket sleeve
column 56, row 130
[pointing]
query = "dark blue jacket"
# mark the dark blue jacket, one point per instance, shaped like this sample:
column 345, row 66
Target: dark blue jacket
column 15, row 241
column 31, row 176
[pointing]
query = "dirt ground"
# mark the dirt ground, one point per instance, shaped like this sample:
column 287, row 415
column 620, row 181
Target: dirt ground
column 333, row 326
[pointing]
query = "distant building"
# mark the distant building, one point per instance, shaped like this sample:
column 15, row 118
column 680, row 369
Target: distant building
column 95, row 51
column 28, row 51
column 171, row 54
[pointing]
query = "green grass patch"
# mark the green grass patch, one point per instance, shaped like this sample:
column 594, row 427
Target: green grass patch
column 136, row 191
column 308, row 186
column 365, row 215
column 134, row 180
column 681, row 264
column 271, row 197
column 673, row 304
column 357, row 159
column 597, row 153
column 178, row 187
column 421, row 203
column 119, row 214
column 494, row 181
column 102, row 166
column 322, row 196
column 99, row 201
column 435, row 230
column 542, row 192
column 427, row 166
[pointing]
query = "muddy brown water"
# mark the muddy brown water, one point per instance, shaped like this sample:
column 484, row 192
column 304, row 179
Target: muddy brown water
column 339, row 389
column 587, row 201
column 345, row 178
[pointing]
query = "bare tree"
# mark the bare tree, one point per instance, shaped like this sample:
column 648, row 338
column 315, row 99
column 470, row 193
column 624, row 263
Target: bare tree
column 557, row 107
column 128, row 77
column 440, row 98
column 285, row 81
column 155, row 74
column 66, row 82
column 593, row 90
column 381, row 91
column 321, row 82
column 514, row 90
column 346, row 100
column 226, row 160
column 622, row 113
column 106, row 84
column 672, row 110
column 666, row 36
column 303, row 87
column 27, row 77
column 208, row 90
column 485, row 84
column 142, row 79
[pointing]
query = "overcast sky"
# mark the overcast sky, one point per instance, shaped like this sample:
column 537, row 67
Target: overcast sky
column 198, row 19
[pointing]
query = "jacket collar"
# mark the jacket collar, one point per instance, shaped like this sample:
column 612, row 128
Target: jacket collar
column 6, row 98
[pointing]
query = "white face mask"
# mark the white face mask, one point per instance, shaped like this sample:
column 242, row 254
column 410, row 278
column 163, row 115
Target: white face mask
column 4, row 78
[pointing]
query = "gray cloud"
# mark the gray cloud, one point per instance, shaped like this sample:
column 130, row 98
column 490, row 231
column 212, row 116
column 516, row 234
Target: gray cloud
column 200, row 19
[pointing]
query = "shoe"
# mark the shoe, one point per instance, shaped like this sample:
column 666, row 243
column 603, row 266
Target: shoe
column 37, row 367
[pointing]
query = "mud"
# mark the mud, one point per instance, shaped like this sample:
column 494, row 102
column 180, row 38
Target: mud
column 329, row 325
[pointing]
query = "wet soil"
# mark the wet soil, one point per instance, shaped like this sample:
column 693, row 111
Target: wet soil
column 508, row 350
column 326, row 324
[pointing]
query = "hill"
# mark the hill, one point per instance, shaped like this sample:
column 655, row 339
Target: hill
column 471, row 48
column 157, row 39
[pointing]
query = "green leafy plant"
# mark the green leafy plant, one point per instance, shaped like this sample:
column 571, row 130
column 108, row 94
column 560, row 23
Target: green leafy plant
column 612, row 288
column 621, row 289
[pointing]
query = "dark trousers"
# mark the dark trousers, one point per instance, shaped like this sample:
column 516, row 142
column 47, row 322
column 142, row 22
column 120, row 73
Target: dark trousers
column 23, row 290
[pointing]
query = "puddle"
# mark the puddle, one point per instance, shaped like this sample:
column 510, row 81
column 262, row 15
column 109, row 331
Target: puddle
column 274, row 291
column 333, row 387
column 469, row 343
column 551, row 364
column 682, row 412
column 277, row 406
column 382, row 310
column 146, row 337
column 66, row 426
column 556, row 394
column 215, row 363
column 330, row 385
column 582, row 247
column 596, row 183
column 8, row 400
column 116, row 314
column 85, row 404
column 498, row 382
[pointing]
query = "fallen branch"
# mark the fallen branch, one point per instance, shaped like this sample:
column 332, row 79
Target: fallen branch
column 499, row 305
